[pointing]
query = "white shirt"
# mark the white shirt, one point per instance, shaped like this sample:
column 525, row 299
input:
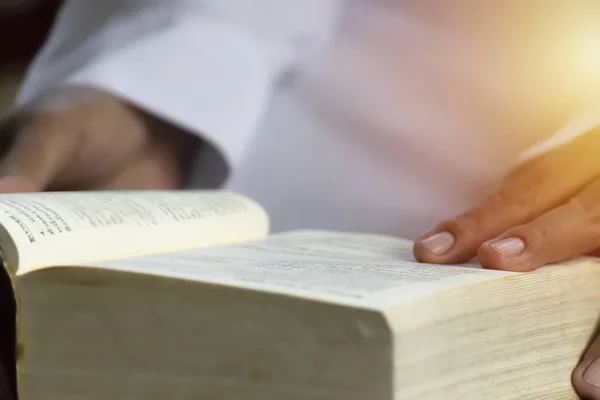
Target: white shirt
column 370, row 115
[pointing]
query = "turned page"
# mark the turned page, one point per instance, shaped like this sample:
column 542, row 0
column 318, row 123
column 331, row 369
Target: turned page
column 365, row 270
column 63, row 228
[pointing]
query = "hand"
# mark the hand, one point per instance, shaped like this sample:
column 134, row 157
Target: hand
column 548, row 210
column 85, row 139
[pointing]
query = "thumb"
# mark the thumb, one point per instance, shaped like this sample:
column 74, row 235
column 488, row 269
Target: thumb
column 586, row 377
column 40, row 149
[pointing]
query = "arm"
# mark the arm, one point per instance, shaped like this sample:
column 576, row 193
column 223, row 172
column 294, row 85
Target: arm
column 206, row 67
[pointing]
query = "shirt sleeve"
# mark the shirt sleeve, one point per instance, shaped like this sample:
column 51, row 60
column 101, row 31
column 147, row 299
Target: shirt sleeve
column 205, row 66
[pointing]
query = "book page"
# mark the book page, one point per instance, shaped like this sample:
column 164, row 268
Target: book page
column 46, row 229
column 357, row 269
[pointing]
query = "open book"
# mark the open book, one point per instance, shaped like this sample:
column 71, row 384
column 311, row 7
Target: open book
column 184, row 295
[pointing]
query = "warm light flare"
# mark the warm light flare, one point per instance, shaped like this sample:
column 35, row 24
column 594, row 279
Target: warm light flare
column 583, row 54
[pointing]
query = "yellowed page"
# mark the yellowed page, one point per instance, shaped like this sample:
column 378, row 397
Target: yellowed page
column 65, row 228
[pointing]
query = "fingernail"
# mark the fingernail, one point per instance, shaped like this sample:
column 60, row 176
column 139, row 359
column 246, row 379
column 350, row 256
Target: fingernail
column 510, row 247
column 439, row 243
column 592, row 373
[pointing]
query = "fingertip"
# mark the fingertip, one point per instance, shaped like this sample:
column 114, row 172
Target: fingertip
column 506, row 254
column 443, row 246
column 12, row 184
column 489, row 258
column 586, row 379
column 432, row 247
column 577, row 379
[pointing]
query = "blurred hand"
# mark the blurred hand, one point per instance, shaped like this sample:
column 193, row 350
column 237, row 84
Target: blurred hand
column 85, row 139
column 548, row 210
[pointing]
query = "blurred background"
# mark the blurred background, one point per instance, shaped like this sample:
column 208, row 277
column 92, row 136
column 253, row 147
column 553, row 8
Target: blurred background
column 24, row 25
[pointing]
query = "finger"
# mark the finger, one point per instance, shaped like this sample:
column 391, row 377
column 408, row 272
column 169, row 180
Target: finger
column 153, row 169
column 586, row 377
column 15, row 185
column 565, row 232
column 40, row 150
column 527, row 193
